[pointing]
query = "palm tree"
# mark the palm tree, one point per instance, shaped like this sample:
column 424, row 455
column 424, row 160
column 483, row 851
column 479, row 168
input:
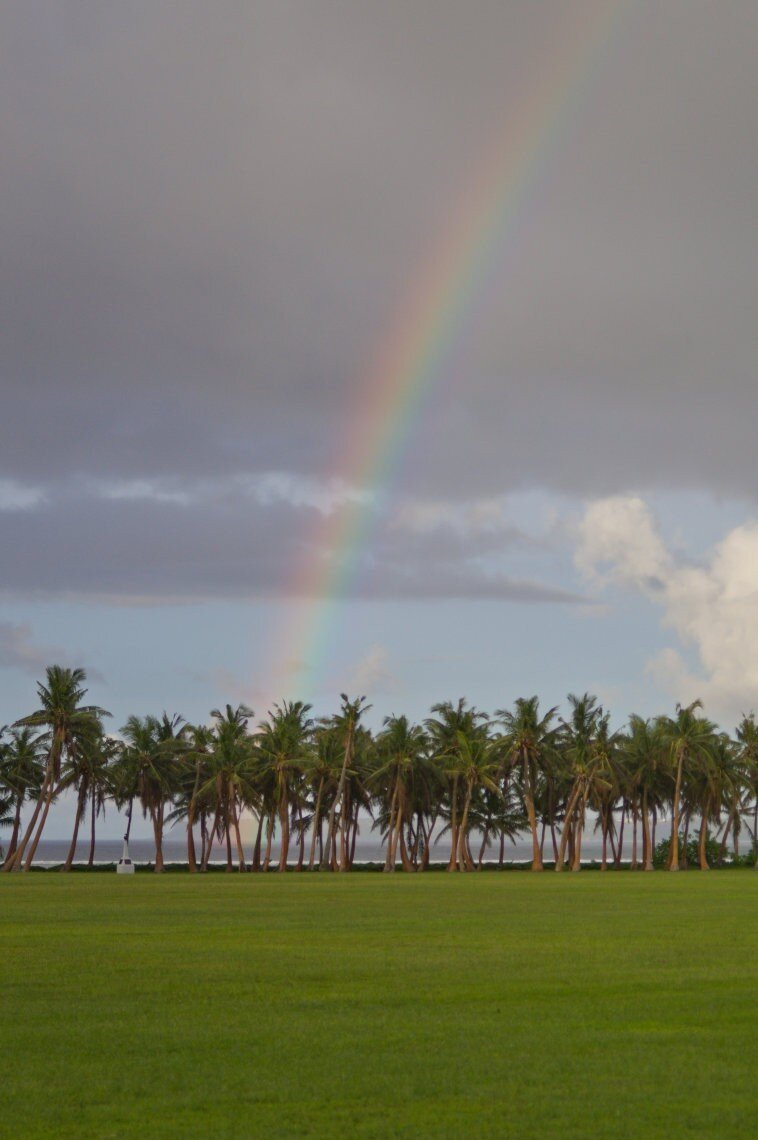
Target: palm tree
column 190, row 806
column 401, row 754
column 689, row 740
column 747, row 740
column 21, row 774
column 153, row 747
column 86, row 770
column 715, row 783
column 67, row 724
column 229, row 780
column 443, row 729
column 283, row 749
column 644, row 757
column 346, row 724
column 584, row 761
column 478, row 761
column 530, row 743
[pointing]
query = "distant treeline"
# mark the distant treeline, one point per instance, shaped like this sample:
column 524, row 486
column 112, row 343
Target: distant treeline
column 482, row 780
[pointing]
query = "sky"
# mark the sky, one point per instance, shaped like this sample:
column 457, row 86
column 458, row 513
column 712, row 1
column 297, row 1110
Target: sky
column 214, row 220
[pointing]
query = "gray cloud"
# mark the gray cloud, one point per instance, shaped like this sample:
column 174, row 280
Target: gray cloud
column 209, row 217
column 221, row 542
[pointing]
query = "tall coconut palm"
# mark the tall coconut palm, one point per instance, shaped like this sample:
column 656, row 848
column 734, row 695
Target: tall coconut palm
column 67, row 724
column 529, row 741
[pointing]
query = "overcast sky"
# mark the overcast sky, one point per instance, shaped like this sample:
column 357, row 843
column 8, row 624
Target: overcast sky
column 209, row 218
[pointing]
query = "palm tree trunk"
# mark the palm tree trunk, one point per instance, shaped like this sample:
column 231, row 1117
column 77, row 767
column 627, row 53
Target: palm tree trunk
column 647, row 843
column 466, row 862
column 91, row 859
column 634, row 863
column 404, row 856
column 157, row 814
column 14, row 833
column 300, row 841
column 620, row 850
column 316, row 825
column 228, row 840
column 532, row 816
column 257, row 848
column 683, row 861
column 566, row 830
column 576, row 864
column 389, row 863
column 674, row 845
column 211, row 836
column 191, row 810
column 237, row 834
column 703, row 838
column 269, row 840
column 80, row 800
column 284, row 821
column 453, row 861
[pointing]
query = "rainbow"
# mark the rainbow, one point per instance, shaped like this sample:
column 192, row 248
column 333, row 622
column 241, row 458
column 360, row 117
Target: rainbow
column 431, row 324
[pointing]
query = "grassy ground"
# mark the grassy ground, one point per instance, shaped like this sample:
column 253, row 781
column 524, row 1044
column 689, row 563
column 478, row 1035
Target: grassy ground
column 611, row 1005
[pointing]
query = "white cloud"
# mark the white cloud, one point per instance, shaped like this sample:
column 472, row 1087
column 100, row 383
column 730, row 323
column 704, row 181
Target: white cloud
column 711, row 607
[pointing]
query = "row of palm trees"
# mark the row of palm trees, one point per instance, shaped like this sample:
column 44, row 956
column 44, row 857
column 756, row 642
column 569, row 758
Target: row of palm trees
column 480, row 780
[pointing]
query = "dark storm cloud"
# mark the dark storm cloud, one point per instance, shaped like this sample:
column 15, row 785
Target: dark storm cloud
column 210, row 213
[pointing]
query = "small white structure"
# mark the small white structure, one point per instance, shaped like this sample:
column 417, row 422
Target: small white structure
column 125, row 865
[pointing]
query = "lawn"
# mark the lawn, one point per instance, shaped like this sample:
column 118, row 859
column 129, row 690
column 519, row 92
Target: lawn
column 516, row 1005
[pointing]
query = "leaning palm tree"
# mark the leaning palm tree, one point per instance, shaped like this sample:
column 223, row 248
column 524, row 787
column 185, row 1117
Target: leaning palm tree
column 67, row 725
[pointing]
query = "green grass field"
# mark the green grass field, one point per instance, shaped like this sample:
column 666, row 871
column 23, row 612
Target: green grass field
column 429, row 1005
